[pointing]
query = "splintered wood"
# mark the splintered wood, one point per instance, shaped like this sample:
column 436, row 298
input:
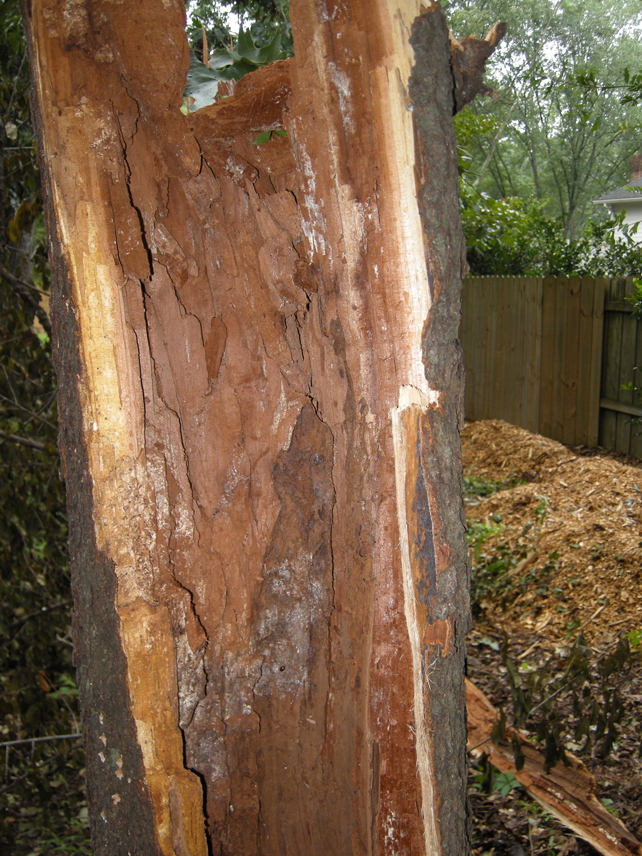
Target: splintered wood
column 591, row 531
column 567, row 792
column 260, row 387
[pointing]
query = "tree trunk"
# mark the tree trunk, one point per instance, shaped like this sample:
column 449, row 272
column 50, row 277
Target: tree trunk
column 260, row 391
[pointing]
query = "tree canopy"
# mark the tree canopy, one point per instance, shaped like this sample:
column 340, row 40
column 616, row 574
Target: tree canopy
column 546, row 137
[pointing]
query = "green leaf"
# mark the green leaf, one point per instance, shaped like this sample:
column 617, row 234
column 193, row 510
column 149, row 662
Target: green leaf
column 202, row 84
column 259, row 56
column 263, row 137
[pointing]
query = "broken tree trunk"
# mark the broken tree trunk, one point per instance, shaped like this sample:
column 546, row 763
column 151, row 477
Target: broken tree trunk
column 260, row 388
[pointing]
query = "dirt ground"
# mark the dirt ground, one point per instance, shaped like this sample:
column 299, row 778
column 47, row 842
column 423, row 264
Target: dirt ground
column 573, row 520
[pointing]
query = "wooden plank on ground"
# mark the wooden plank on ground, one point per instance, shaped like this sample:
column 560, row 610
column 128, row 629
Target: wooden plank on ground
column 597, row 350
column 572, row 360
column 548, row 357
column 568, row 793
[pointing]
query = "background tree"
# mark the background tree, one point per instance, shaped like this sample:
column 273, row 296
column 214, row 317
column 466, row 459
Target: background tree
column 547, row 138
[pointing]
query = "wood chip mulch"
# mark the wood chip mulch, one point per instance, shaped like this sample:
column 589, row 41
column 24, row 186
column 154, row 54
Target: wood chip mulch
column 592, row 521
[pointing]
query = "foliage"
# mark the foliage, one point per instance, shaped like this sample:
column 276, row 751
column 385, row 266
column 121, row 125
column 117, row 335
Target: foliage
column 265, row 18
column 636, row 299
column 538, row 693
column 489, row 779
column 495, row 572
column 597, row 708
column 479, row 486
column 228, row 64
column 268, row 38
column 515, row 237
column 509, row 237
column 545, row 138
column 634, row 638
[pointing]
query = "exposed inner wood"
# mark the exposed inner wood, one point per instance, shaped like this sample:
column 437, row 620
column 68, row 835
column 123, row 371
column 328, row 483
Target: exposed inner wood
column 568, row 793
column 263, row 441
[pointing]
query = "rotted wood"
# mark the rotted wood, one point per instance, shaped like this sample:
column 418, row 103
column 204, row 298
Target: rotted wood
column 568, row 793
column 260, row 391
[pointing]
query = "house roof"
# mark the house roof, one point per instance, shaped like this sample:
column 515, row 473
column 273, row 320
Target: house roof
column 623, row 194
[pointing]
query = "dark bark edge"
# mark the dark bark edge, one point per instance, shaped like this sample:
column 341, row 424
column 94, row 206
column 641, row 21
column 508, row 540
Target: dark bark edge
column 432, row 91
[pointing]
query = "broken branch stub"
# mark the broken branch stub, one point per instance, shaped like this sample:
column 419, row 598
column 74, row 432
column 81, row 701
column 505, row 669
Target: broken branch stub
column 260, row 384
column 468, row 58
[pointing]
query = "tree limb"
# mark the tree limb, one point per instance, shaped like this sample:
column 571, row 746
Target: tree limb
column 23, row 441
column 20, row 621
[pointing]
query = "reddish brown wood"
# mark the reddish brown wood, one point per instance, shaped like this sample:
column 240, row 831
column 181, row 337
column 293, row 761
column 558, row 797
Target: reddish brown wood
column 260, row 387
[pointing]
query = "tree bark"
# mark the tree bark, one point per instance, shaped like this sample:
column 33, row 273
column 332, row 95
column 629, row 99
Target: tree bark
column 260, row 392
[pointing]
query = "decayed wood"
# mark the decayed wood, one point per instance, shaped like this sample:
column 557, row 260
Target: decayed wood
column 568, row 793
column 260, row 390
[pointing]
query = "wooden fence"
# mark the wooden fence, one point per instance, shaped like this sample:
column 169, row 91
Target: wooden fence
column 552, row 355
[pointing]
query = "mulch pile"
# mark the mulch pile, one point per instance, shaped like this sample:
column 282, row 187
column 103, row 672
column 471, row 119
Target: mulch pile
column 592, row 521
column 574, row 517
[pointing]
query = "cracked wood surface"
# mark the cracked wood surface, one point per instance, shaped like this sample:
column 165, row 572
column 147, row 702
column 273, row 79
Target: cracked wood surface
column 258, row 355
column 569, row 793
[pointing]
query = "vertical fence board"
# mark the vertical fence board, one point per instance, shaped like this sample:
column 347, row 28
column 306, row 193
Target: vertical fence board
column 498, row 380
column 510, row 293
column 543, row 354
column 559, row 359
column 636, row 428
column 585, row 345
column 491, row 351
column 597, row 350
column 571, row 362
column 611, row 365
column 627, row 350
column 548, row 357
column 534, row 355
column 466, row 342
column 518, row 355
column 483, row 343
